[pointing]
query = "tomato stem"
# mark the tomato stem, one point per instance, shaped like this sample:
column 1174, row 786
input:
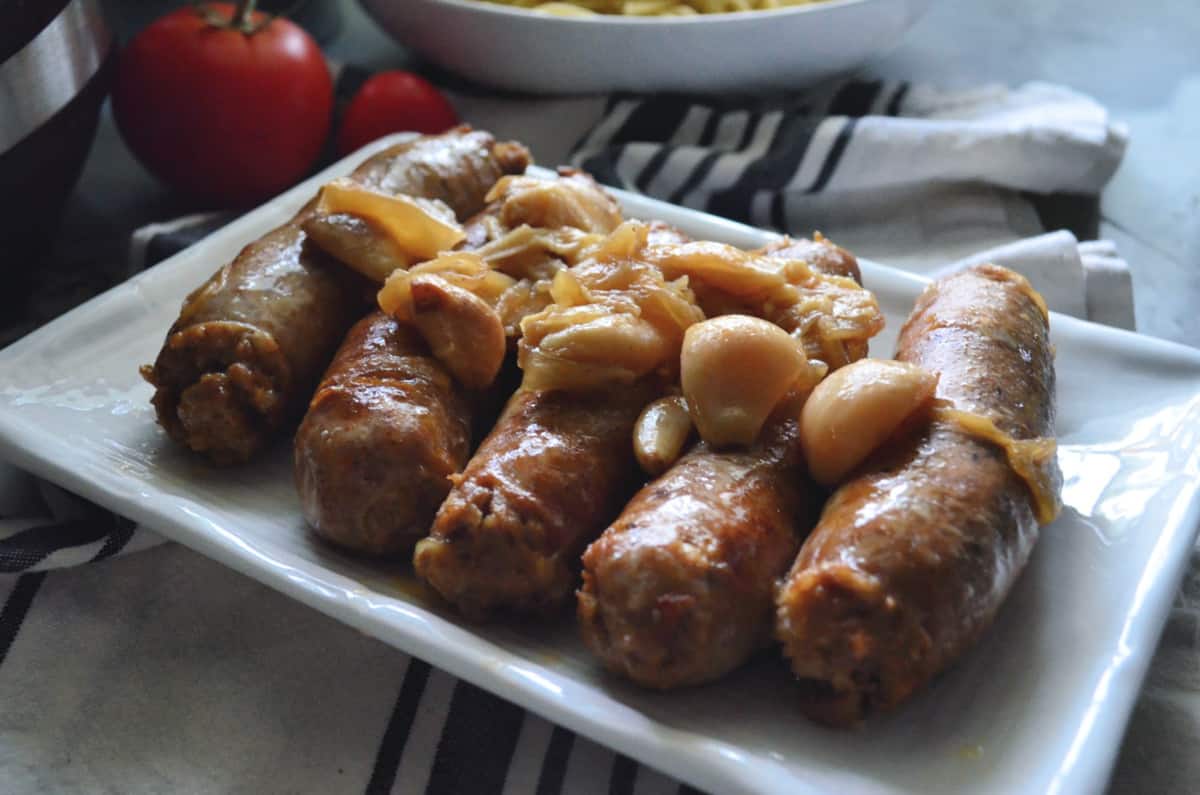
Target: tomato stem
column 242, row 19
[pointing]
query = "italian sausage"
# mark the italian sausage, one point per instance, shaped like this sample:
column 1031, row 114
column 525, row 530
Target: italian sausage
column 912, row 558
column 383, row 434
column 244, row 355
column 678, row 591
column 820, row 253
column 373, row 455
column 550, row 476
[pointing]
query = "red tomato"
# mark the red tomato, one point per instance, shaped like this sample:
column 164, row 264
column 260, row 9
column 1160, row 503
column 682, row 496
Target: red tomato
column 233, row 113
column 393, row 102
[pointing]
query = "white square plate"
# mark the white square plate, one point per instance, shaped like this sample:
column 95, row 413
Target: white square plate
column 1039, row 706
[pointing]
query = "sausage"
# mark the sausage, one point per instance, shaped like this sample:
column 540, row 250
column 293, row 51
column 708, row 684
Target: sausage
column 384, row 432
column 451, row 168
column 679, row 590
column 820, row 253
column 373, row 455
column 248, row 344
column 248, row 347
column 550, row 476
column 912, row 558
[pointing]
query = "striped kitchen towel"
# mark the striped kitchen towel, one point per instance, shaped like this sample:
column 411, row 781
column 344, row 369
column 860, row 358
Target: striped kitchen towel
column 197, row 658
column 909, row 175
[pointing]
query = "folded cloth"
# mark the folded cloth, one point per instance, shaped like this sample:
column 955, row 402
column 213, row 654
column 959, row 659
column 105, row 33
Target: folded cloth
column 1086, row 280
column 908, row 175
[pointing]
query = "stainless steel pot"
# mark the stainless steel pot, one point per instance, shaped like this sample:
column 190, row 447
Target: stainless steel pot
column 55, row 58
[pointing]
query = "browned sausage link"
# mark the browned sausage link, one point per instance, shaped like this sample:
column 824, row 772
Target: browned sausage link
column 383, row 434
column 821, row 254
column 679, row 590
column 911, row 560
column 553, row 472
column 387, row 427
column 458, row 168
column 248, row 345
column 246, row 351
column 352, row 445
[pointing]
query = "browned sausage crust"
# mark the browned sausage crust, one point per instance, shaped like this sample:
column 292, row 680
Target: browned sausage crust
column 821, row 254
column 246, row 351
column 679, row 590
column 911, row 559
column 249, row 343
column 347, row 449
column 383, row 434
column 553, row 472
column 451, row 168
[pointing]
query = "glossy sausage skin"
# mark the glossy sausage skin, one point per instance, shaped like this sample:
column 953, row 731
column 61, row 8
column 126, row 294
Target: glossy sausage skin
column 912, row 558
column 383, row 434
column 346, row 450
column 550, row 476
column 244, row 355
column 678, row 591
column 450, row 168
column 821, row 254
column 249, row 344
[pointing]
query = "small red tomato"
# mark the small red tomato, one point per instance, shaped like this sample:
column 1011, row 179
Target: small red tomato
column 393, row 102
column 223, row 102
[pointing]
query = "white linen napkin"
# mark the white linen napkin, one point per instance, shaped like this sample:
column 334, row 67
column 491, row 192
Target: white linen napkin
column 166, row 672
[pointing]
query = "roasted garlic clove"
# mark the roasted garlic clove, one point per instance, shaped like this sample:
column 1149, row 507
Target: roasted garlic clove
column 855, row 410
column 735, row 369
column 660, row 434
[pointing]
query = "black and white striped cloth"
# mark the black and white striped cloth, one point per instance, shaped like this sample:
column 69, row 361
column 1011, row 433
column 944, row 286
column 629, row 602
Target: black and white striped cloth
column 165, row 672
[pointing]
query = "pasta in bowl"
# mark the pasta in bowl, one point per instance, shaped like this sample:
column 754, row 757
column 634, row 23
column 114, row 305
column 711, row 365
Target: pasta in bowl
column 649, row 8
column 583, row 47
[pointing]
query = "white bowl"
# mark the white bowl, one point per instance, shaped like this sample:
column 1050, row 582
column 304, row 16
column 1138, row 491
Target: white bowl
column 522, row 50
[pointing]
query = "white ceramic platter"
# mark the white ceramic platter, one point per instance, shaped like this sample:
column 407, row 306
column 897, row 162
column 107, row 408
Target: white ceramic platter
column 1039, row 706
column 522, row 50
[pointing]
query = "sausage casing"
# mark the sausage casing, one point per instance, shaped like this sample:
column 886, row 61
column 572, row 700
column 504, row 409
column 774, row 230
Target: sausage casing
column 550, row 476
column 821, row 254
column 912, row 558
column 383, row 434
column 244, row 355
column 678, row 591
